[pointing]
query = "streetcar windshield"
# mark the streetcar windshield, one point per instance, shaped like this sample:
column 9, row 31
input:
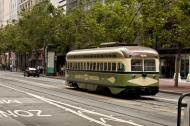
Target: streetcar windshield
column 149, row 65
column 143, row 65
column 136, row 65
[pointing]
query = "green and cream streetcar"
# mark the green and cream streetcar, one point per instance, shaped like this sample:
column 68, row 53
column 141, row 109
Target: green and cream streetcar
column 119, row 70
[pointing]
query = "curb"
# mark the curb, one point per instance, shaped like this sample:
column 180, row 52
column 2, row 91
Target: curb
column 54, row 77
column 170, row 92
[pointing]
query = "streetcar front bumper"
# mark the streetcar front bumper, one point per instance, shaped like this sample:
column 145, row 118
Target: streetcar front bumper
column 135, row 90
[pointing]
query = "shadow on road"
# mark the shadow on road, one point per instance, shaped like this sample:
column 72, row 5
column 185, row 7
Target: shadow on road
column 120, row 96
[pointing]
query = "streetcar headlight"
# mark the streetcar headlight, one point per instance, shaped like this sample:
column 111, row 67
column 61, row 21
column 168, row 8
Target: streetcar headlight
column 154, row 76
column 133, row 75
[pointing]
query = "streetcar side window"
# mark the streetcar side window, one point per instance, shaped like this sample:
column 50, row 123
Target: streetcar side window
column 74, row 66
column 84, row 66
column 81, row 66
column 105, row 67
column 94, row 66
column 121, row 67
column 109, row 66
column 101, row 66
column 71, row 66
column 137, row 65
column 149, row 65
column 113, row 66
column 78, row 66
column 98, row 64
column 88, row 64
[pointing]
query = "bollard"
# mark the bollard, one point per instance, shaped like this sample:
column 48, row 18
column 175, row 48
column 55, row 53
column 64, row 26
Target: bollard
column 180, row 105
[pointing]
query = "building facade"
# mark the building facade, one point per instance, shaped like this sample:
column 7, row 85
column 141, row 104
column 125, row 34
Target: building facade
column 62, row 4
column 168, row 63
column 70, row 4
column 27, row 4
column 4, row 12
column 9, row 9
column 13, row 10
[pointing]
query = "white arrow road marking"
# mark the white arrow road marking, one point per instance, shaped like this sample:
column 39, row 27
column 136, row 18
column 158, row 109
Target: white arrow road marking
column 79, row 111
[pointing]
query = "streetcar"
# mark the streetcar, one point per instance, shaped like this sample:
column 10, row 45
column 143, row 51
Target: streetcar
column 115, row 70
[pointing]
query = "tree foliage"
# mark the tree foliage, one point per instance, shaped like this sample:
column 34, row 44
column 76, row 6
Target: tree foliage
column 145, row 22
column 167, row 22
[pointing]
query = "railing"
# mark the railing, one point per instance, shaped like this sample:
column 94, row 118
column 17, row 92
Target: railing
column 180, row 105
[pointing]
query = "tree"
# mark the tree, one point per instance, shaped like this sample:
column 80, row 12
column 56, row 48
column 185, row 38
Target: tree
column 7, row 38
column 169, row 25
column 41, row 24
column 146, row 22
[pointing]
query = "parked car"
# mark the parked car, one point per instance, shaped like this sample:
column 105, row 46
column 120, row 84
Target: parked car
column 30, row 71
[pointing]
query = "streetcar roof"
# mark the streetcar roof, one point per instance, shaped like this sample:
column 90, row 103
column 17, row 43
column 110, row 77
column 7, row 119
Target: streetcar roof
column 123, row 51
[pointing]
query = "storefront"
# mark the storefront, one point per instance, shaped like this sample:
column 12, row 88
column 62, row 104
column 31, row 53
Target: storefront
column 168, row 62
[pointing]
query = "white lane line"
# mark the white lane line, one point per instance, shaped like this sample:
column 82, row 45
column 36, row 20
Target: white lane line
column 79, row 112
column 70, row 110
column 173, row 100
column 166, row 99
column 34, row 83
column 40, row 78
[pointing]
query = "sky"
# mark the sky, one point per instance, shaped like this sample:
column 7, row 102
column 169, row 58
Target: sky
column 54, row 2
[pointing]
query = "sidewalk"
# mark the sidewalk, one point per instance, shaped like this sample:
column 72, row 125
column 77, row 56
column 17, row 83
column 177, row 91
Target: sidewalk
column 167, row 85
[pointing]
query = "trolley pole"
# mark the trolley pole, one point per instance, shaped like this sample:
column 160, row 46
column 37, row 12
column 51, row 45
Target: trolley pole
column 180, row 105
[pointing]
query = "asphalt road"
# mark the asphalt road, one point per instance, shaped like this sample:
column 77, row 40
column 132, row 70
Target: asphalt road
column 29, row 101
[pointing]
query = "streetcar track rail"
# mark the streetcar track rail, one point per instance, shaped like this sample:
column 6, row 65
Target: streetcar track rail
column 101, row 108
column 169, row 101
column 147, row 98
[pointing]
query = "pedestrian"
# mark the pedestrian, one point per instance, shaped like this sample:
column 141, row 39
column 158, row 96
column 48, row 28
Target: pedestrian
column 11, row 67
column 41, row 69
column 38, row 68
column 62, row 70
